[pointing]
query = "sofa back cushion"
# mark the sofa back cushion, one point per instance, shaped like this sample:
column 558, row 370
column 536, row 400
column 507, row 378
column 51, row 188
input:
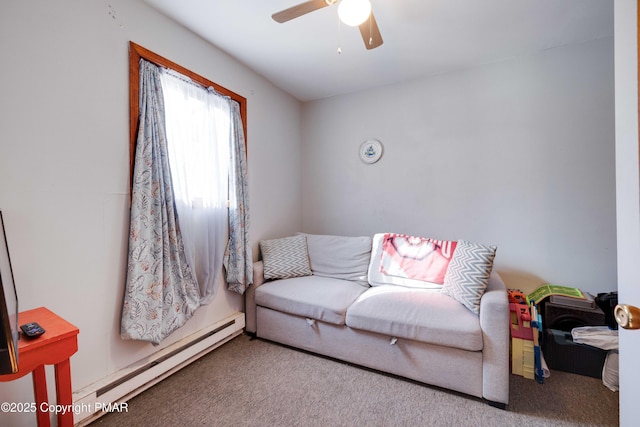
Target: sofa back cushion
column 340, row 257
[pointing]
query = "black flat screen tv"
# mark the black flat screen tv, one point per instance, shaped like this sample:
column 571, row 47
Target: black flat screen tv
column 9, row 330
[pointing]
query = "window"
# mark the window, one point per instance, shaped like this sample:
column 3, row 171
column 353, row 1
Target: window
column 136, row 52
column 202, row 140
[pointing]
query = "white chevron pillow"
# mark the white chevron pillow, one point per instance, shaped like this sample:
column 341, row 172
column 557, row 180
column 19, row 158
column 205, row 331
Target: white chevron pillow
column 468, row 273
column 286, row 257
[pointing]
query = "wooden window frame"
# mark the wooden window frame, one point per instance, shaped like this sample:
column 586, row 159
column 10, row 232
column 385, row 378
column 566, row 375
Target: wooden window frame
column 136, row 52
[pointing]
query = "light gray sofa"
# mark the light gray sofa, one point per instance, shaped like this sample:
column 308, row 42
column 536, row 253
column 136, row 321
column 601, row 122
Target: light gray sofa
column 347, row 310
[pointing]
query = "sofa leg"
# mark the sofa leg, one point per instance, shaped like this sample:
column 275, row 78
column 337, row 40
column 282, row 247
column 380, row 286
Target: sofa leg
column 498, row 405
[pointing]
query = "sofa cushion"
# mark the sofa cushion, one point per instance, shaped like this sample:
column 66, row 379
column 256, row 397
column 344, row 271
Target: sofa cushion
column 416, row 314
column 315, row 297
column 340, row 257
column 468, row 273
column 286, row 257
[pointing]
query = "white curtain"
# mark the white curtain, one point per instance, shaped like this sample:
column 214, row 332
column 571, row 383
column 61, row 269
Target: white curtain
column 198, row 123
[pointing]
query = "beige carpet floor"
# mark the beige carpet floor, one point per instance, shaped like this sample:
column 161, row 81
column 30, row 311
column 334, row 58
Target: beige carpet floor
column 250, row 382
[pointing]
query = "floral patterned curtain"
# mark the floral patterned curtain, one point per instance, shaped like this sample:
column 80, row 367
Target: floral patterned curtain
column 238, row 259
column 161, row 293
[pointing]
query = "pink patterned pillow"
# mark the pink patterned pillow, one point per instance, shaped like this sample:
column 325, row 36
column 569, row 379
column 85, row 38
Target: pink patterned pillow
column 416, row 258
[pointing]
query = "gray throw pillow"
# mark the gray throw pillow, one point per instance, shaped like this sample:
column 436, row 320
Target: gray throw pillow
column 286, row 257
column 468, row 273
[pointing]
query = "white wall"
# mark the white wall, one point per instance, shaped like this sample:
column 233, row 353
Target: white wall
column 64, row 174
column 518, row 153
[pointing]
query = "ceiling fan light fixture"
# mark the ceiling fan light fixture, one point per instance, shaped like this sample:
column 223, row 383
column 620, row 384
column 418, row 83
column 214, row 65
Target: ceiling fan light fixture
column 354, row 12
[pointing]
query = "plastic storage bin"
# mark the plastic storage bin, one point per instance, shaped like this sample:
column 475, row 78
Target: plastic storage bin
column 562, row 354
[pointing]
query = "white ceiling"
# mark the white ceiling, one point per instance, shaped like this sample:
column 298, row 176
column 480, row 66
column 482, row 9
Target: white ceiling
column 421, row 37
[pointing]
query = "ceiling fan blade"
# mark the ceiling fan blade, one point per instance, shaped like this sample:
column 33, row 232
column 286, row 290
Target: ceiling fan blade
column 298, row 10
column 371, row 33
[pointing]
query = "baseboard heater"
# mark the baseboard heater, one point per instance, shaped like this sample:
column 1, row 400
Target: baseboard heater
column 90, row 402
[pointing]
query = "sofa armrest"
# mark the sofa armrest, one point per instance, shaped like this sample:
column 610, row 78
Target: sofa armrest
column 494, row 322
column 250, row 297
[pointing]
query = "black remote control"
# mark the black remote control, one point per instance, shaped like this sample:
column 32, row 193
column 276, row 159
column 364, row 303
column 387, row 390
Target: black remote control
column 32, row 330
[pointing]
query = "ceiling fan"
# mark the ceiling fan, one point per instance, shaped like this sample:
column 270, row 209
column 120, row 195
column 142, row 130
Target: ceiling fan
column 348, row 12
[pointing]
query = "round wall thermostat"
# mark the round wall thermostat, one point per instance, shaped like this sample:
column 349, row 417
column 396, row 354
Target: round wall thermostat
column 370, row 151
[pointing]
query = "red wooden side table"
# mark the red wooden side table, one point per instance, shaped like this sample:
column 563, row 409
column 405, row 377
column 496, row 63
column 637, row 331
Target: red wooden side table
column 54, row 347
